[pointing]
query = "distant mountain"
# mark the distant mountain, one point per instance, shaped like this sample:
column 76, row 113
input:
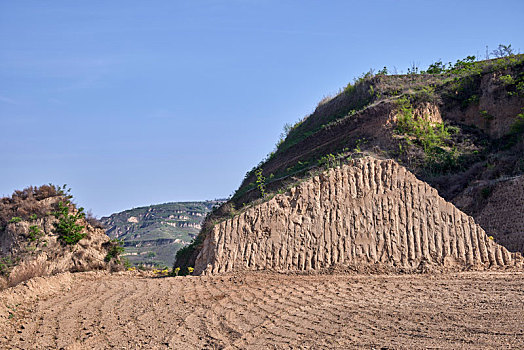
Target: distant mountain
column 152, row 235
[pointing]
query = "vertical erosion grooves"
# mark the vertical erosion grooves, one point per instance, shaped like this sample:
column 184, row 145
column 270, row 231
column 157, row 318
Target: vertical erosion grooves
column 370, row 212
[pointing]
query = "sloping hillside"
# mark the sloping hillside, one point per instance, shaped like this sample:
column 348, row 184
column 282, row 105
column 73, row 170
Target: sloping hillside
column 43, row 233
column 152, row 235
column 457, row 127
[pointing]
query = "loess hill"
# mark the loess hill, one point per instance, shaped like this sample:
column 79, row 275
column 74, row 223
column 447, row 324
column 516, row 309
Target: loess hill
column 42, row 233
column 456, row 130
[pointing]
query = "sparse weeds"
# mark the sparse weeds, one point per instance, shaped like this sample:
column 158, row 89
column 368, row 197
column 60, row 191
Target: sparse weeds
column 6, row 263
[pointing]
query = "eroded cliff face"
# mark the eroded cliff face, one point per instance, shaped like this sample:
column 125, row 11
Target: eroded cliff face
column 370, row 212
column 454, row 130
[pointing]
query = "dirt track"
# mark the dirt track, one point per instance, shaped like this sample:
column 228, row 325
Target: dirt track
column 259, row 311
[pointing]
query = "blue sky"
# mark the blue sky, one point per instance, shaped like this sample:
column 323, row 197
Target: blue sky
column 134, row 103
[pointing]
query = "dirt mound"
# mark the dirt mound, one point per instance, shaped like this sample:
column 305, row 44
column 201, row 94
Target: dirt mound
column 43, row 233
column 372, row 212
column 272, row 311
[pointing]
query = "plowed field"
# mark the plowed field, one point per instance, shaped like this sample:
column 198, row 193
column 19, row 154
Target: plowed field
column 269, row 311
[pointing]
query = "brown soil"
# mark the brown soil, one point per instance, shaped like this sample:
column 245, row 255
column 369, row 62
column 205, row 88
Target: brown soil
column 369, row 211
column 261, row 310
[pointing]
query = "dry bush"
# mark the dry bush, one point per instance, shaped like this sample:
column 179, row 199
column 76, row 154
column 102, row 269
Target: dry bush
column 26, row 272
column 325, row 100
column 93, row 221
column 27, row 202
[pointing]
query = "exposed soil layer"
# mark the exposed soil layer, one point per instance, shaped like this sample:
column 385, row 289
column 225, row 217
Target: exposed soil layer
column 367, row 212
column 262, row 310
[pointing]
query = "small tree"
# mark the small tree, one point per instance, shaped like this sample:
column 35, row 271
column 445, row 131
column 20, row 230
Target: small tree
column 503, row 51
column 66, row 227
column 115, row 250
column 261, row 182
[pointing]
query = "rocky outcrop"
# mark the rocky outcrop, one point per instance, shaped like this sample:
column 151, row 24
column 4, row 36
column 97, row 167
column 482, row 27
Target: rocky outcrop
column 368, row 212
column 30, row 246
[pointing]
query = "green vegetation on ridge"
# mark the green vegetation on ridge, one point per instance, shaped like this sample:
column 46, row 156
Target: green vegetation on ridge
column 438, row 123
column 457, row 83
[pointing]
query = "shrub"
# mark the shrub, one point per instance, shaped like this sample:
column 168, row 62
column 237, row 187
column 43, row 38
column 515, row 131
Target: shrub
column 15, row 219
column 503, row 51
column 34, row 232
column 115, row 250
column 436, row 68
column 507, row 79
column 486, row 192
column 349, row 89
column 6, row 263
column 431, row 136
column 383, row 71
column 328, row 161
column 25, row 204
column 261, row 182
column 66, row 227
column 184, row 254
column 518, row 124
column 93, row 221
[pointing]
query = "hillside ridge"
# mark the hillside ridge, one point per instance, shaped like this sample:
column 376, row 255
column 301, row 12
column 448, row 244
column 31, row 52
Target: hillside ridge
column 458, row 128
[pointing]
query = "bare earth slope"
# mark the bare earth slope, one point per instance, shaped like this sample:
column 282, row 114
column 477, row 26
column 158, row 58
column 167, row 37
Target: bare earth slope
column 503, row 214
column 469, row 310
column 370, row 212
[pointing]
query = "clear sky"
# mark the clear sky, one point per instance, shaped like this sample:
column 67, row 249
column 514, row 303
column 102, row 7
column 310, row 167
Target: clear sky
column 133, row 103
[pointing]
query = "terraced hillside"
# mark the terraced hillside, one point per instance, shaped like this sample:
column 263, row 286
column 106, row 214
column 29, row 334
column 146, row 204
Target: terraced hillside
column 459, row 128
column 152, row 235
